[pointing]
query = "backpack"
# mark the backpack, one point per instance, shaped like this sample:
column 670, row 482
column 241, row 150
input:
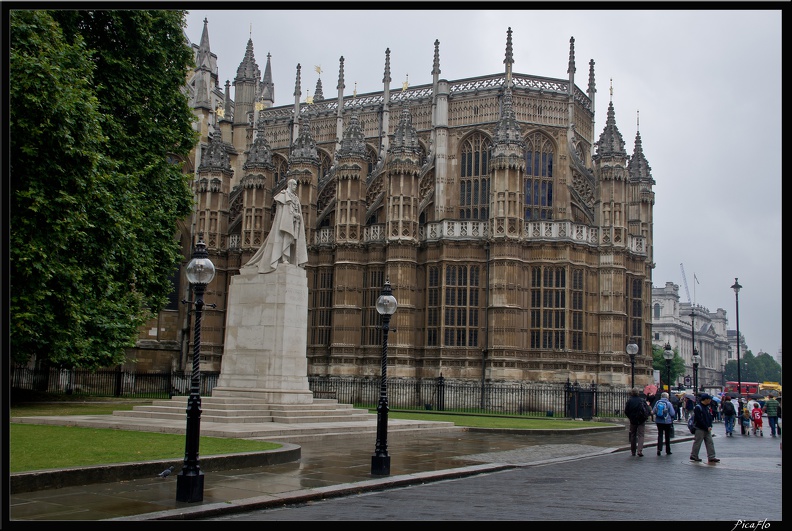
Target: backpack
column 662, row 410
column 728, row 408
column 692, row 422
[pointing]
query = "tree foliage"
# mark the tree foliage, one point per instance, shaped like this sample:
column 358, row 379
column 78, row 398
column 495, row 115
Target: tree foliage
column 761, row 368
column 96, row 107
column 659, row 364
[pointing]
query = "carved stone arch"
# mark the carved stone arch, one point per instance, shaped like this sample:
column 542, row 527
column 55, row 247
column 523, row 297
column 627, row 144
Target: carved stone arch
column 281, row 165
column 530, row 137
column 371, row 158
column 325, row 161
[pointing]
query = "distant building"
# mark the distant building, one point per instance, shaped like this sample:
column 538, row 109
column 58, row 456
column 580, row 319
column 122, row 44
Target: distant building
column 516, row 231
column 672, row 323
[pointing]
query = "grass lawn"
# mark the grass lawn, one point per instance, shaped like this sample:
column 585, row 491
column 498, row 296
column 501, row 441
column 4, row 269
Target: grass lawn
column 38, row 447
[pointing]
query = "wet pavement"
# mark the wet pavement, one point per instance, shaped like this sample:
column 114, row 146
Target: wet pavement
column 329, row 467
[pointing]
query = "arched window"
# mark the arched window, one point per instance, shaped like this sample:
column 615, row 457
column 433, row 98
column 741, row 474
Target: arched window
column 539, row 160
column 657, row 310
column 281, row 168
column 474, row 181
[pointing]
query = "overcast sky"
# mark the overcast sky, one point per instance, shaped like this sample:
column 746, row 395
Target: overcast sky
column 705, row 84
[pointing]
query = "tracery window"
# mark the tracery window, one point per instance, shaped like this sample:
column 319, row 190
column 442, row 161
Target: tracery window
column 539, row 155
column 576, row 311
column 373, row 280
column 461, row 308
column 635, row 305
column 433, row 306
column 322, row 294
column 474, row 181
column 281, row 168
column 548, row 308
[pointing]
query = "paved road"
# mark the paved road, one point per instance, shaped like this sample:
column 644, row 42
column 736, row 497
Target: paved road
column 610, row 487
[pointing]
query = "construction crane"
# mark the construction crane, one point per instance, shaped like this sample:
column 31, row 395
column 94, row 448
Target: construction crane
column 684, row 279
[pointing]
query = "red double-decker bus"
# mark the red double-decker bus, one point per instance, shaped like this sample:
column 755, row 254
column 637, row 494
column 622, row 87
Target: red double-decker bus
column 748, row 388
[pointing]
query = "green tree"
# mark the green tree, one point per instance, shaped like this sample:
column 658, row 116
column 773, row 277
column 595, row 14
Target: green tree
column 96, row 109
column 659, row 364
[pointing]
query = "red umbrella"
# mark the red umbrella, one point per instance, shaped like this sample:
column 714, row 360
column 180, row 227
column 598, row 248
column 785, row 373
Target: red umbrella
column 650, row 389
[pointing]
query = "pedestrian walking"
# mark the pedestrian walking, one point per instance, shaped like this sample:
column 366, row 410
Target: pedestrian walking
column 674, row 399
column 729, row 415
column 745, row 421
column 703, row 422
column 664, row 413
column 771, row 410
column 689, row 403
column 756, row 419
column 637, row 410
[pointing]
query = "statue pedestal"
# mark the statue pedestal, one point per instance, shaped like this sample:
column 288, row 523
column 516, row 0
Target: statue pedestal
column 265, row 337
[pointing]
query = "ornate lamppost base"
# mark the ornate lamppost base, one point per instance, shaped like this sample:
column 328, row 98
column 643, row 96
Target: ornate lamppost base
column 380, row 465
column 190, row 488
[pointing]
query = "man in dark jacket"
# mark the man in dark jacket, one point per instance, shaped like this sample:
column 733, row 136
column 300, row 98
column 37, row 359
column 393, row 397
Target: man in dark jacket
column 637, row 410
column 703, row 422
column 676, row 403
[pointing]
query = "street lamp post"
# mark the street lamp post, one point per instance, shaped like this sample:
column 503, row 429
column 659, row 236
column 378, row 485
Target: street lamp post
column 736, row 287
column 668, row 354
column 632, row 350
column 190, row 481
column 380, row 461
column 695, row 350
column 696, row 361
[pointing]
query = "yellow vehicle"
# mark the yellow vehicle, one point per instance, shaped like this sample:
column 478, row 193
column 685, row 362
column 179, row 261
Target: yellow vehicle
column 770, row 386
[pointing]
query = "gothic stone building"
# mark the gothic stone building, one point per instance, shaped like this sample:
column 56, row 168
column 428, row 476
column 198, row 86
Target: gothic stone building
column 518, row 242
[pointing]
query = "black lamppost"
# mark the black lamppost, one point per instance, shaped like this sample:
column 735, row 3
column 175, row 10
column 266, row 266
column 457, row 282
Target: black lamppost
column 380, row 461
column 696, row 361
column 736, row 287
column 632, row 350
column 695, row 350
column 668, row 354
column 190, row 481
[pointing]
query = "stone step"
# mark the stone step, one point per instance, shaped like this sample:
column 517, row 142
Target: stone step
column 322, row 418
column 205, row 416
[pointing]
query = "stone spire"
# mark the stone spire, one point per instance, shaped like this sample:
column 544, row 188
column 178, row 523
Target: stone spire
column 215, row 156
column 610, row 142
column 436, row 62
column 260, row 154
column 405, row 137
column 318, row 94
column 507, row 132
column 638, row 167
column 248, row 69
column 267, row 86
column 353, row 144
column 202, row 62
column 304, row 147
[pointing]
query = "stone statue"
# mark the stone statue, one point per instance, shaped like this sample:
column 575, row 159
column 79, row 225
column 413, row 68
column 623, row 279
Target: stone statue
column 286, row 240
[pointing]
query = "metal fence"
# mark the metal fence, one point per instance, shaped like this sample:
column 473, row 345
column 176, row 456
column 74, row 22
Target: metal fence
column 110, row 383
column 530, row 399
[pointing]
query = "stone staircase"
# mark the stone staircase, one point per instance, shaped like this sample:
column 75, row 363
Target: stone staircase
column 252, row 411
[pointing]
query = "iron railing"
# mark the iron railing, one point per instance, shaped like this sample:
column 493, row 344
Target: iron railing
column 530, row 399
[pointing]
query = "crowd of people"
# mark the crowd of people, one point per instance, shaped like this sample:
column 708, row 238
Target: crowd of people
column 663, row 409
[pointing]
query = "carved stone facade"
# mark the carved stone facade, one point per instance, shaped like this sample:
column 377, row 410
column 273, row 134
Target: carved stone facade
column 518, row 245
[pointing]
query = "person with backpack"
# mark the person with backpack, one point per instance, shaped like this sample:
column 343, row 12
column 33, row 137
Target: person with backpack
column 729, row 415
column 703, row 423
column 664, row 414
column 637, row 410
column 674, row 399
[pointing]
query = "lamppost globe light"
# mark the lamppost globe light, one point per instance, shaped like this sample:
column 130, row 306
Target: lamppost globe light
column 190, row 481
column 380, row 461
column 736, row 287
column 696, row 359
column 632, row 350
column 386, row 305
column 200, row 270
column 668, row 352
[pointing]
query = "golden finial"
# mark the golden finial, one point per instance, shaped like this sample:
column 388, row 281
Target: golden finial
column 354, row 92
column 318, row 69
column 220, row 111
column 637, row 119
column 309, row 98
column 611, row 89
column 406, row 83
column 259, row 105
